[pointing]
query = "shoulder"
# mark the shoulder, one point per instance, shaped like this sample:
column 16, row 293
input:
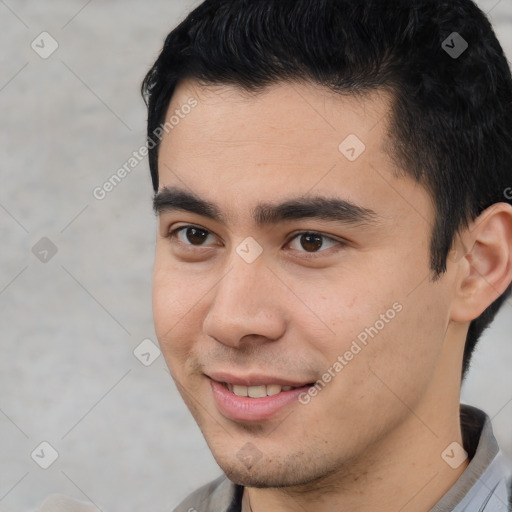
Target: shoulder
column 510, row 495
column 62, row 503
column 220, row 495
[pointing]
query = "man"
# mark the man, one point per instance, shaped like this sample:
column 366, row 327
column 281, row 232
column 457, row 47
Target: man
column 332, row 182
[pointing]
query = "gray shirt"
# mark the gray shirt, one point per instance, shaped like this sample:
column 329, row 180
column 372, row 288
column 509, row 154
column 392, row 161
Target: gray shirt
column 481, row 488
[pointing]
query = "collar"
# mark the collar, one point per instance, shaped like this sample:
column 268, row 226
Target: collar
column 483, row 485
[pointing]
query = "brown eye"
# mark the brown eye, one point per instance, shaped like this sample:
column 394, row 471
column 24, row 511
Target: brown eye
column 196, row 236
column 190, row 235
column 311, row 242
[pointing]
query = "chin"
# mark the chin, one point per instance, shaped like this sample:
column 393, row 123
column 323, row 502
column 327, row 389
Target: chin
column 249, row 469
column 260, row 479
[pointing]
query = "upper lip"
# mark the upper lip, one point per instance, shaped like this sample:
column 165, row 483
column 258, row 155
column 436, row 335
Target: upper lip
column 254, row 380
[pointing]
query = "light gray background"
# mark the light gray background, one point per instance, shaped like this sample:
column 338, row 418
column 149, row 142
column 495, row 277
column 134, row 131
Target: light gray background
column 69, row 326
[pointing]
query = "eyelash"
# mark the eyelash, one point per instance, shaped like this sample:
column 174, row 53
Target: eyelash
column 173, row 233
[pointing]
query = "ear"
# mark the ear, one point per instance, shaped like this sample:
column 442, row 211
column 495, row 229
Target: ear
column 485, row 271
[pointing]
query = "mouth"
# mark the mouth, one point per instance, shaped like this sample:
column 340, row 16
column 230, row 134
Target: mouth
column 253, row 400
column 258, row 391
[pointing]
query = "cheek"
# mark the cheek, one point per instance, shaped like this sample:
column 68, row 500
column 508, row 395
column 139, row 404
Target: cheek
column 404, row 355
column 172, row 313
column 167, row 307
column 177, row 293
column 343, row 305
column 381, row 326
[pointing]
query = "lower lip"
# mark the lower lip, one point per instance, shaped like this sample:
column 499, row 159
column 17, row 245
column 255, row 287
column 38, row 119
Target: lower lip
column 242, row 408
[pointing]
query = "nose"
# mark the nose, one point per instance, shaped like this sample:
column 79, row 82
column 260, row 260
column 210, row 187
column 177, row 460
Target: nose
column 246, row 305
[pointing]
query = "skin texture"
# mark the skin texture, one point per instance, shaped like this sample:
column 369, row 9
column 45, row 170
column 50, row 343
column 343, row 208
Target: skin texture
column 372, row 438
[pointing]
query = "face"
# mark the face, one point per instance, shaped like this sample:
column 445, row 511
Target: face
column 289, row 254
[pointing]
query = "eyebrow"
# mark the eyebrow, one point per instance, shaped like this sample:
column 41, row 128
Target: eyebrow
column 304, row 207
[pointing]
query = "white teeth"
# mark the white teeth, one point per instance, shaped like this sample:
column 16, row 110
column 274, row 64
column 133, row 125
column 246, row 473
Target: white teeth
column 239, row 390
column 257, row 391
column 273, row 389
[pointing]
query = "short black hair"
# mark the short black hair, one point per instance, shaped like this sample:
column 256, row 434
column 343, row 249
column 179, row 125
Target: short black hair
column 451, row 120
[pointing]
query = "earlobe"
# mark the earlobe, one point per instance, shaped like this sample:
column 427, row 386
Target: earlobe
column 485, row 271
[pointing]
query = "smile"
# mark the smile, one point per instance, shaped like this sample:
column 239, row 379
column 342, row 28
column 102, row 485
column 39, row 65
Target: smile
column 257, row 391
column 251, row 400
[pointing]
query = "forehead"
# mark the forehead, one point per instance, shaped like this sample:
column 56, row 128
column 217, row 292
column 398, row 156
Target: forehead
column 295, row 111
column 290, row 139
